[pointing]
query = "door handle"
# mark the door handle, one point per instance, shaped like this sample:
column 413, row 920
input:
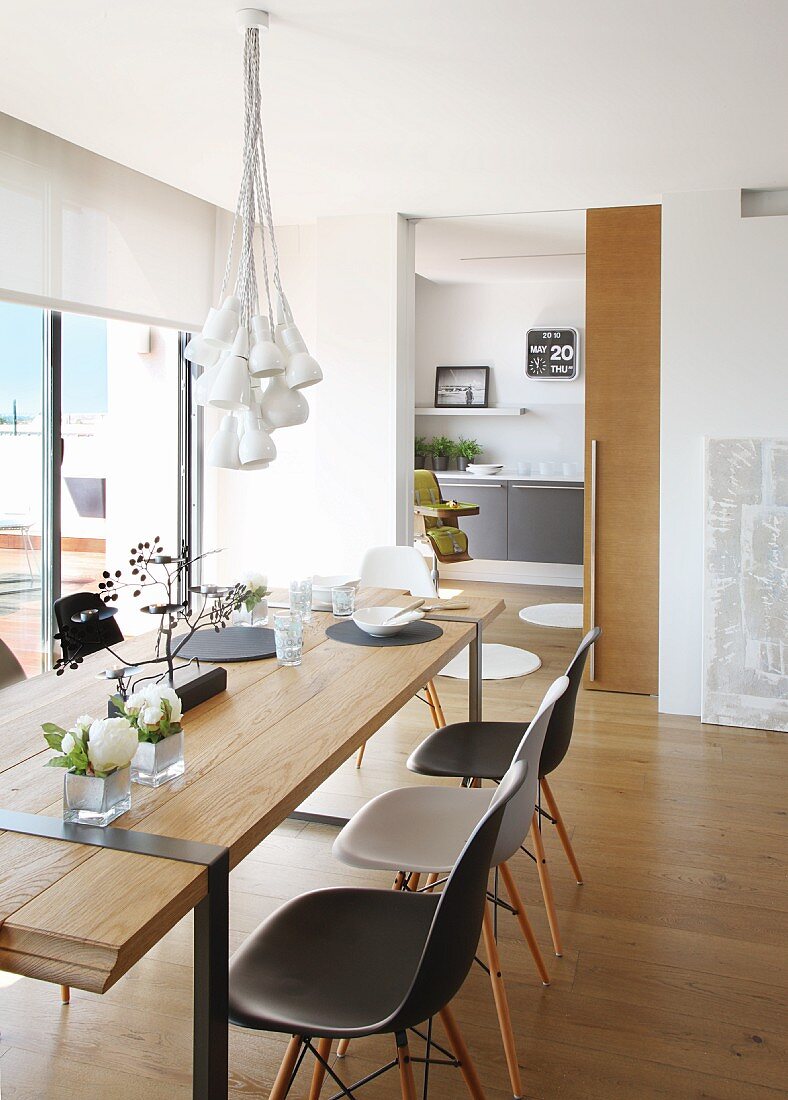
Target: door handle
column 464, row 485
column 592, row 556
column 571, row 488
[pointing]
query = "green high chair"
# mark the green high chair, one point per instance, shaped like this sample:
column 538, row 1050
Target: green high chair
column 436, row 522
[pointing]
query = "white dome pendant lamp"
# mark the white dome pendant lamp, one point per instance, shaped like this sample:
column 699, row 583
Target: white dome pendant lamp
column 256, row 449
column 302, row 370
column 204, row 384
column 265, row 358
column 199, row 351
column 232, row 388
column 282, row 407
column 223, row 449
column 235, row 344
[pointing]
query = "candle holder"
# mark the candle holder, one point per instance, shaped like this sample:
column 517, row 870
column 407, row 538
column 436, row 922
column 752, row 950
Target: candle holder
column 152, row 568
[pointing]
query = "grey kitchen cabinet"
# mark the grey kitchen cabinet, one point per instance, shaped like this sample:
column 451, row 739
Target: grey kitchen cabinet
column 545, row 522
column 487, row 537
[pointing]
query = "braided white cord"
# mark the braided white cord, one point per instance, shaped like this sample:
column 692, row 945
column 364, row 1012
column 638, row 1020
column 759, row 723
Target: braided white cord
column 254, row 201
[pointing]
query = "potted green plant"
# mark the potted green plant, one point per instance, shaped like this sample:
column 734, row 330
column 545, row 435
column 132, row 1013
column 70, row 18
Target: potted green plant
column 466, row 451
column 421, row 450
column 441, row 450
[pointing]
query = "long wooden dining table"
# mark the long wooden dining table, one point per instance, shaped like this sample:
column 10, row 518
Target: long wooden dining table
column 80, row 905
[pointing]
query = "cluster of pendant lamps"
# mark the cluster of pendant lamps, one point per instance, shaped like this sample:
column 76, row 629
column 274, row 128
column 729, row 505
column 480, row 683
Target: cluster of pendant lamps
column 239, row 346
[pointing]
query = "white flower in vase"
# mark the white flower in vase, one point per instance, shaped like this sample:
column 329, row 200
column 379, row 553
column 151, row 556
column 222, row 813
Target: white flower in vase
column 252, row 606
column 112, row 742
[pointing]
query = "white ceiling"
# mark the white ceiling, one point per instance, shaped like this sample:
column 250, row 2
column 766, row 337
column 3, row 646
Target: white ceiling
column 502, row 248
column 422, row 106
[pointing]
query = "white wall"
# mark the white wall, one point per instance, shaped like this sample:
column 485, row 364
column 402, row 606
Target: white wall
column 724, row 374
column 333, row 489
column 470, row 323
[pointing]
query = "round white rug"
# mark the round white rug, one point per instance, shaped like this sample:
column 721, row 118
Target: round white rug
column 554, row 614
column 499, row 662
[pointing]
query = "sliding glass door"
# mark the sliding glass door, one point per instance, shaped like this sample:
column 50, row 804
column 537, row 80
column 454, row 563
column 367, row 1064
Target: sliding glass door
column 23, row 347
column 94, row 457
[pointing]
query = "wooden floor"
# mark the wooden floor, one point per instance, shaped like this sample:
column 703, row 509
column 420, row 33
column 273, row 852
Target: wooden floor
column 20, row 597
column 672, row 982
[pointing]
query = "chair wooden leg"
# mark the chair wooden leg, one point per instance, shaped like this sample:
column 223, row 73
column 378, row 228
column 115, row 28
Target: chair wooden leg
column 547, row 886
column 279, row 1091
column 501, row 1003
column 406, row 1079
column 342, row 1046
column 525, row 924
column 457, row 1044
column 413, row 881
column 360, row 754
column 318, row 1076
column 563, row 835
column 436, row 703
column 429, row 688
column 432, row 878
column 65, row 994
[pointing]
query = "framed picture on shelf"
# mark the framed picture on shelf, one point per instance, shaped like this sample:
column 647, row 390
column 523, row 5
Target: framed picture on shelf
column 462, row 387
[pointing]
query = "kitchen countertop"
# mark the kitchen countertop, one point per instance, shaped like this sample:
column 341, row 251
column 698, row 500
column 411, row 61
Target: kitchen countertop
column 507, row 474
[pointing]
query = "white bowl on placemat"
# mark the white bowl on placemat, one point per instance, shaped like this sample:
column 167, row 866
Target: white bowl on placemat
column 486, row 469
column 321, row 589
column 372, row 620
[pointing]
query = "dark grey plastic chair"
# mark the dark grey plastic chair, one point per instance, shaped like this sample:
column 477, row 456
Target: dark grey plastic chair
column 77, row 640
column 484, row 750
column 348, row 963
column 11, row 672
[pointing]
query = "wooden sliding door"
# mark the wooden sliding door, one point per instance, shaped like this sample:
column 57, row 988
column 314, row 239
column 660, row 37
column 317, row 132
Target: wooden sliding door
column 621, row 575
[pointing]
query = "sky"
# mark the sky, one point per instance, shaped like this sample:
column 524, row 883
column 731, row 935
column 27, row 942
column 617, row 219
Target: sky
column 84, row 361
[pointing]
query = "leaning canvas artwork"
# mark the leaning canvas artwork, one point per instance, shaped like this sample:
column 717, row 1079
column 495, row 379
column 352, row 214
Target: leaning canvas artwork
column 745, row 629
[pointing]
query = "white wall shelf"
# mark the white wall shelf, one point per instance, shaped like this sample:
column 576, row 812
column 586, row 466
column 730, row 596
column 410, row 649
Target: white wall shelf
column 499, row 410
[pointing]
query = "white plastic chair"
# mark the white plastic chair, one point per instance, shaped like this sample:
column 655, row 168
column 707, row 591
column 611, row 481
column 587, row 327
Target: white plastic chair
column 402, row 567
column 422, row 830
column 398, row 567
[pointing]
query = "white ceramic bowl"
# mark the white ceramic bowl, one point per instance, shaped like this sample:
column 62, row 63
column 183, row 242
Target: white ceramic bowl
column 370, row 620
column 321, row 589
column 487, row 469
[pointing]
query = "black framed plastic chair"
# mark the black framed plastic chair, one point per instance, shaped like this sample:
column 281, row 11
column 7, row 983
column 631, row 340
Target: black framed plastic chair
column 349, row 963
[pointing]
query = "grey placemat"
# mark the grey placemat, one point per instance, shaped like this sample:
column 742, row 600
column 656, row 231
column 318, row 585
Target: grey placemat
column 234, row 643
column 412, row 634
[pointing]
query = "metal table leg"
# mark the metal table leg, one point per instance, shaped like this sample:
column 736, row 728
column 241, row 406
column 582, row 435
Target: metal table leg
column 211, row 929
column 475, row 688
column 210, row 1065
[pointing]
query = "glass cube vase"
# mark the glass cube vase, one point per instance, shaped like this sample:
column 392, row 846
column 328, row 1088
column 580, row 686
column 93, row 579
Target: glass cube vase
column 88, row 800
column 258, row 616
column 156, row 764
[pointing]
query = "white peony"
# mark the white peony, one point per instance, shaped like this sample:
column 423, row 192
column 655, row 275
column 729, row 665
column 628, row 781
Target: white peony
column 135, row 702
column 255, row 581
column 148, row 705
column 68, row 743
column 112, row 743
column 162, row 692
column 82, row 725
column 151, row 716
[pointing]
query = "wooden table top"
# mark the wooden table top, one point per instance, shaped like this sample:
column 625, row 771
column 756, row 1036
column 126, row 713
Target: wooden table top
column 82, row 916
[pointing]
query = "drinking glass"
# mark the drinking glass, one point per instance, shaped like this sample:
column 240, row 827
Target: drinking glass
column 301, row 598
column 343, row 600
column 289, row 637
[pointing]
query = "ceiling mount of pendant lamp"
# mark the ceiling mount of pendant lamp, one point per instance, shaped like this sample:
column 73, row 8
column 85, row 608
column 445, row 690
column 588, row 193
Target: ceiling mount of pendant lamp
column 236, row 343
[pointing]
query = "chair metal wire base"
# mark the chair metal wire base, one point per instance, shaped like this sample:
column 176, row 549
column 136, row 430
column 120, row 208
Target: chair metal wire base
column 350, row 1090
